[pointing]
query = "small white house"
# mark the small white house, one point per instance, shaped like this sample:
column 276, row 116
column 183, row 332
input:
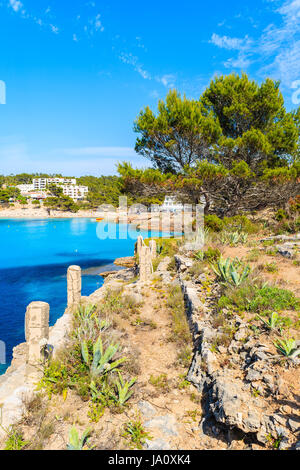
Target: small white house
column 171, row 204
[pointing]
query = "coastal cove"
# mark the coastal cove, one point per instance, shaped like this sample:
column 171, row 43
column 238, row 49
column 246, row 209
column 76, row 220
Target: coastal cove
column 34, row 259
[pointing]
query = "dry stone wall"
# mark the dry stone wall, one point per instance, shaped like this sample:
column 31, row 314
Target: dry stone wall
column 228, row 390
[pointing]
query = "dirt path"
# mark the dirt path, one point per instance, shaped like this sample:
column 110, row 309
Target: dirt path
column 168, row 407
column 167, row 403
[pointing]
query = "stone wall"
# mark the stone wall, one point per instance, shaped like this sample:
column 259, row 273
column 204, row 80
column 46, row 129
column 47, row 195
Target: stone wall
column 227, row 390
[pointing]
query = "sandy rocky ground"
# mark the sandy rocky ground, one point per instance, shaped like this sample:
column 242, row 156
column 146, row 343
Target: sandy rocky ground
column 237, row 396
column 169, row 413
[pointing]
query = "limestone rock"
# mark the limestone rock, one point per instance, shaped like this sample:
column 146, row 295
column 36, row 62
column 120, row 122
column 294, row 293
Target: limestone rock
column 294, row 425
column 232, row 406
column 157, row 444
column 146, row 409
column 166, row 424
column 108, row 273
column 183, row 263
column 127, row 262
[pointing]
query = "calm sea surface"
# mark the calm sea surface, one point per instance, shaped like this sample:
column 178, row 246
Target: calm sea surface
column 34, row 258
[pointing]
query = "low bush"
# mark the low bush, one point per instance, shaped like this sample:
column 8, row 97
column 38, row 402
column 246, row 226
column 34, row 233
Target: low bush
column 214, row 223
column 237, row 223
column 166, row 246
column 135, row 434
column 15, row 440
column 240, row 223
column 272, row 298
column 258, row 298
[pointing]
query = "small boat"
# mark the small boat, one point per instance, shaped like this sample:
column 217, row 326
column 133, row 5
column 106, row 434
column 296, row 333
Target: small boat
column 99, row 219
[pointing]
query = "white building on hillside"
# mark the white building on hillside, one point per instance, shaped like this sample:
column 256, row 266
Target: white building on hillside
column 68, row 185
column 171, row 204
column 75, row 192
column 25, row 188
column 42, row 183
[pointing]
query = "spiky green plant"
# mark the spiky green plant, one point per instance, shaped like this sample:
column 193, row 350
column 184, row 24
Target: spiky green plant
column 199, row 255
column 231, row 272
column 75, row 442
column 123, row 388
column 101, row 362
column 86, row 321
column 86, row 311
column 102, row 393
column 135, row 434
column 287, row 347
column 273, row 321
column 233, row 238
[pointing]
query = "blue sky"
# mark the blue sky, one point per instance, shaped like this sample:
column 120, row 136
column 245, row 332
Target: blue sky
column 77, row 73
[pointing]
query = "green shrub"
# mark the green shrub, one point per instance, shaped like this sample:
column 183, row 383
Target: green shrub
column 271, row 267
column 135, row 434
column 272, row 298
column 15, row 440
column 56, row 378
column 165, row 246
column 214, row 223
column 212, row 254
column 258, row 297
column 281, row 215
column 240, row 223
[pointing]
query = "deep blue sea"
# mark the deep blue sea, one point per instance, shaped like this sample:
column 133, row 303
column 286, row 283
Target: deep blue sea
column 34, row 258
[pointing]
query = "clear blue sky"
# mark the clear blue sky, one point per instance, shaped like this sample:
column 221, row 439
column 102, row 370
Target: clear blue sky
column 78, row 72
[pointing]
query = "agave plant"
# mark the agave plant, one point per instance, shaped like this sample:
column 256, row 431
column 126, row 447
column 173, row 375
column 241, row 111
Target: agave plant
column 102, row 394
column 86, row 311
column 231, row 272
column 75, row 442
column 89, row 323
column 233, row 238
column 199, row 255
column 123, row 388
column 273, row 321
column 243, row 237
column 287, row 347
column 101, row 362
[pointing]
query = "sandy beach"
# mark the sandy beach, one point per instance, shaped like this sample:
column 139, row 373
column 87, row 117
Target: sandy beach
column 32, row 212
column 144, row 221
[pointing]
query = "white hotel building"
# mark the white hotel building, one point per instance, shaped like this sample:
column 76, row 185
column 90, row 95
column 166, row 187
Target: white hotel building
column 41, row 184
column 68, row 185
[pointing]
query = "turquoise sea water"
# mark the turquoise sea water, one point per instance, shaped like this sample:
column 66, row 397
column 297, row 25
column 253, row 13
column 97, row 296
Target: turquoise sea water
column 34, row 258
